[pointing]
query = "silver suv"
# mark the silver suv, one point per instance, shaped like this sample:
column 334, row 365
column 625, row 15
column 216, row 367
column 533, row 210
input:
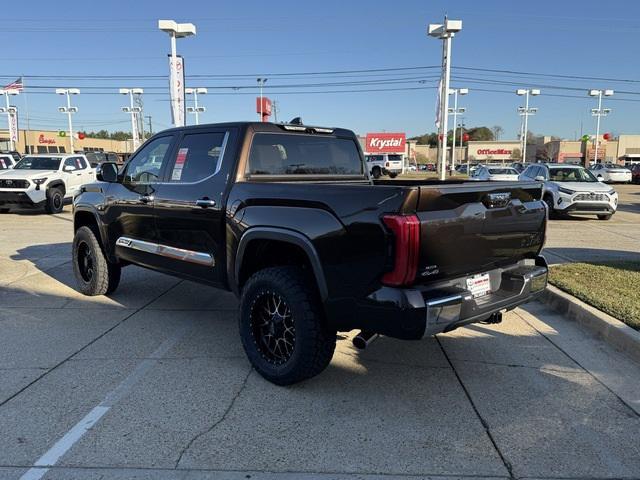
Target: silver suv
column 572, row 189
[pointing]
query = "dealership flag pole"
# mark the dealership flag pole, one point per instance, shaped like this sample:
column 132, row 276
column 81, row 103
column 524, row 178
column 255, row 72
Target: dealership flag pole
column 445, row 32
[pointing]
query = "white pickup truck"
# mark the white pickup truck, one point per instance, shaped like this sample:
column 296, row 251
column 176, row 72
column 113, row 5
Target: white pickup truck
column 44, row 180
column 384, row 164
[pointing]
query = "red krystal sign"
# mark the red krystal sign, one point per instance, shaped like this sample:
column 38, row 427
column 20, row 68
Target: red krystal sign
column 385, row 142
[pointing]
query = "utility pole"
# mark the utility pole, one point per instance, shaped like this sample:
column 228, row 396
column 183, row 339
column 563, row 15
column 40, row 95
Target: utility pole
column 150, row 125
column 274, row 108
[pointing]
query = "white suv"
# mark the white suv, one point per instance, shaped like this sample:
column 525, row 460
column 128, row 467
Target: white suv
column 44, row 180
column 572, row 189
column 384, row 164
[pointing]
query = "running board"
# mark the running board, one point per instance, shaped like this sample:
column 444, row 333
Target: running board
column 201, row 258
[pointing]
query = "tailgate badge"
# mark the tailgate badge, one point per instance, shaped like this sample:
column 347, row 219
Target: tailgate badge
column 496, row 200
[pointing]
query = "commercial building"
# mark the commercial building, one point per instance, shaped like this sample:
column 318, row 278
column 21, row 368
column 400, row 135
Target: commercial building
column 50, row 141
column 493, row 151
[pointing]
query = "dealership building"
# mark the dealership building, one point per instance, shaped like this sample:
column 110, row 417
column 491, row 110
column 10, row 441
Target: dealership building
column 50, row 141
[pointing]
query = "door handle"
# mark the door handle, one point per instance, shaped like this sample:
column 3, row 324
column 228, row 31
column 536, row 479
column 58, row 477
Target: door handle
column 205, row 203
column 146, row 198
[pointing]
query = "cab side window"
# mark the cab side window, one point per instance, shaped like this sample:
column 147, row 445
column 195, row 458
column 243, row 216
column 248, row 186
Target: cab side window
column 145, row 166
column 69, row 164
column 199, row 156
column 81, row 164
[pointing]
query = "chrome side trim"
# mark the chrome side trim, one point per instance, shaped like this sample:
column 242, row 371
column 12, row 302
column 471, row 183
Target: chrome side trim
column 201, row 258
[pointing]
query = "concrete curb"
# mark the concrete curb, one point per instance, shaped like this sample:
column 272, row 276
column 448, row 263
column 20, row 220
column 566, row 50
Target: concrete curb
column 611, row 330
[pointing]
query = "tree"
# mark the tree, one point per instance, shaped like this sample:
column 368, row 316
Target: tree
column 544, row 153
column 120, row 135
column 497, row 131
column 480, row 134
column 516, row 153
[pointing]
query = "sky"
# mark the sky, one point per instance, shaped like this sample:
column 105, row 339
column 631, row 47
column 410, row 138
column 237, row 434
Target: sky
column 563, row 47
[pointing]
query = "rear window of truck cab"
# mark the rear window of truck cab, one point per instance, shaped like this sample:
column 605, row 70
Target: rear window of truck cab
column 297, row 154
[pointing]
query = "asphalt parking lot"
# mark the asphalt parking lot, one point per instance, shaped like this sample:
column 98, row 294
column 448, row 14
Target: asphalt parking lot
column 152, row 383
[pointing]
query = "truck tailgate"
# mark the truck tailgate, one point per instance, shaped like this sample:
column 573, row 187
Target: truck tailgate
column 474, row 227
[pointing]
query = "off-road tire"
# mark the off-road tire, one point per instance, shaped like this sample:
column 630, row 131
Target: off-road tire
column 393, row 175
column 4, row 210
column 376, row 172
column 104, row 277
column 55, row 200
column 604, row 217
column 313, row 341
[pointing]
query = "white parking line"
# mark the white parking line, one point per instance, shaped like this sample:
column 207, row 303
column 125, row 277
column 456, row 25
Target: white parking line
column 69, row 439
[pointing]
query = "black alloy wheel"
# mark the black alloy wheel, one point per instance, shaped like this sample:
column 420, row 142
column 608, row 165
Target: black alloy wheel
column 272, row 327
column 86, row 261
column 282, row 325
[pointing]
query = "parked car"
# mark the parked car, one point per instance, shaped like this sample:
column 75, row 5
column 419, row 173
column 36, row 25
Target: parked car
column 16, row 155
column 494, row 173
column 286, row 217
column 518, row 166
column 95, row 158
column 431, row 167
column 44, row 180
column 384, row 164
column 635, row 173
column 6, row 162
column 610, row 172
column 572, row 189
column 412, row 168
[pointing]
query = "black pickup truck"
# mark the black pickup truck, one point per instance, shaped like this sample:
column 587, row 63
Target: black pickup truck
column 285, row 216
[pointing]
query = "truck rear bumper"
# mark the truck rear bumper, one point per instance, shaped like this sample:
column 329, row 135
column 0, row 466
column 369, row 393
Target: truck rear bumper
column 416, row 313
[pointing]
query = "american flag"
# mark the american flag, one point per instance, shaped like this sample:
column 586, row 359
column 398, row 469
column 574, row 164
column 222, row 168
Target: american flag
column 18, row 84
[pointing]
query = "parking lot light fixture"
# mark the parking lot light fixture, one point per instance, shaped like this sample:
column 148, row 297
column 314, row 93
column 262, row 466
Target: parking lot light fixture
column 444, row 31
column 10, row 112
column 455, row 111
column 69, row 110
column 134, row 112
column 175, row 30
column 598, row 112
column 196, row 109
column 524, row 112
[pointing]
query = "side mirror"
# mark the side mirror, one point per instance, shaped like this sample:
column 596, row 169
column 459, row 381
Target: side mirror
column 539, row 178
column 107, row 172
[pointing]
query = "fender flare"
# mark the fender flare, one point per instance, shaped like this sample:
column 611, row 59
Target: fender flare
column 283, row 235
column 93, row 212
column 57, row 183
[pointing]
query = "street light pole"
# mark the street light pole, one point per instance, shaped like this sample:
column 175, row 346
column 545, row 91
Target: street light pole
column 133, row 111
column 196, row 109
column 445, row 32
column 261, row 82
column 599, row 112
column 69, row 110
column 526, row 111
column 455, row 111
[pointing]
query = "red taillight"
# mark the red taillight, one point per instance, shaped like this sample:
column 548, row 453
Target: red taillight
column 406, row 229
column 386, row 164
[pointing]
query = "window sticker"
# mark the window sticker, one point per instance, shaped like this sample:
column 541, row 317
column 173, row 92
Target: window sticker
column 181, row 158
